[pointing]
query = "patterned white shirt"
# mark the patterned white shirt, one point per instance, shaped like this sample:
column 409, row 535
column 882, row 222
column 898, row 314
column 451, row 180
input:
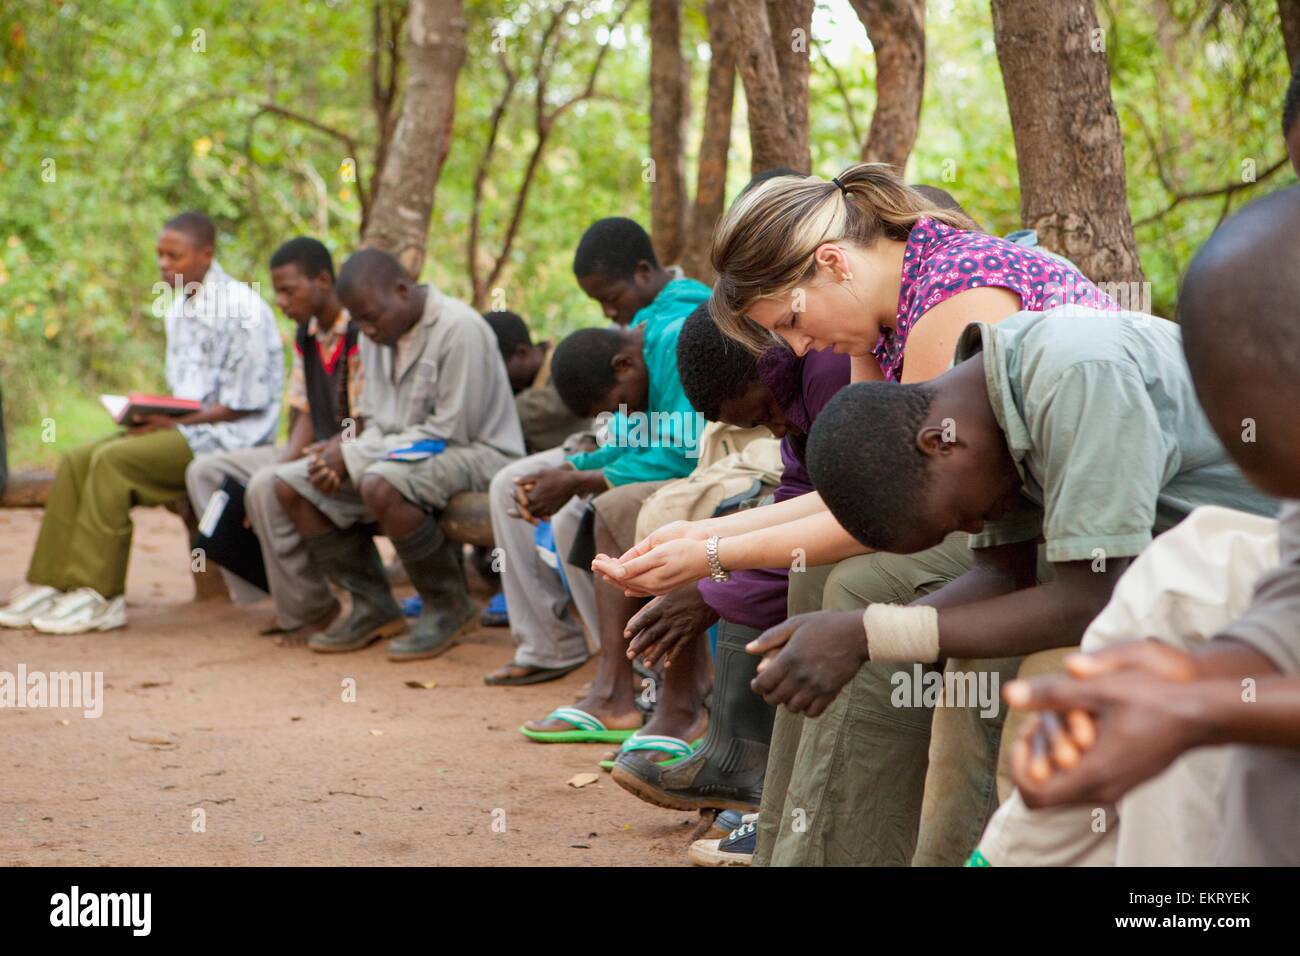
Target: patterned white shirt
column 223, row 348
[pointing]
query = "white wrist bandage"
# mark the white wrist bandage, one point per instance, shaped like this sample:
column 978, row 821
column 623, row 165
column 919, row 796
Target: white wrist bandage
column 897, row 633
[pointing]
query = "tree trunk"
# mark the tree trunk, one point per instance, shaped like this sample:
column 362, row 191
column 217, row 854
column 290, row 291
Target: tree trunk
column 669, row 112
column 715, row 144
column 1289, row 11
column 791, row 24
column 772, row 141
column 896, row 29
column 1069, row 150
column 399, row 218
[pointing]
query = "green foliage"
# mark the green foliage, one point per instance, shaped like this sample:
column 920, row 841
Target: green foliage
column 141, row 109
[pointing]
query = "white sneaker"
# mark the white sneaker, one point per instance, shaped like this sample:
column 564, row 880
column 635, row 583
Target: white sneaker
column 82, row 610
column 26, row 602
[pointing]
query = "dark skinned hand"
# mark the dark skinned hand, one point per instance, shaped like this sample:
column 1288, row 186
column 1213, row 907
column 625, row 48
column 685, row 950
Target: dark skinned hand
column 326, row 469
column 668, row 624
column 1117, row 719
column 522, row 487
column 551, row 490
column 807, row 659
column 144, row 424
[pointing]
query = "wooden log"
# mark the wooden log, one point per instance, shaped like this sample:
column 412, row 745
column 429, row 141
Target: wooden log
column 27, row 489
column 467, row 518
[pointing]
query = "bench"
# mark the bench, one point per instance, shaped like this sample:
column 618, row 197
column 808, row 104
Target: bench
column 467, row 520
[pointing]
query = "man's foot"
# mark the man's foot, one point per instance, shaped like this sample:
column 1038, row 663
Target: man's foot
column 297, row 636
column 735, row 849
column 730, row 779
column 435, row 631
column 361, row 629
column 613, row 716
column 26, row 602
column 81, row 611
column 519, row 675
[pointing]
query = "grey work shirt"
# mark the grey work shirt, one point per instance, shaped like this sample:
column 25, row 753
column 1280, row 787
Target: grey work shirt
column 1103, row 424
column 451, row 385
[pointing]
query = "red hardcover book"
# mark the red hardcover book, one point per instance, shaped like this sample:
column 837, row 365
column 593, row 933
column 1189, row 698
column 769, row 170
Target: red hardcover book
column 128, row 408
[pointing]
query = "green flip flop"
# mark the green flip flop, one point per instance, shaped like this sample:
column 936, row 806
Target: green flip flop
column 587, row 729
column 677, row 748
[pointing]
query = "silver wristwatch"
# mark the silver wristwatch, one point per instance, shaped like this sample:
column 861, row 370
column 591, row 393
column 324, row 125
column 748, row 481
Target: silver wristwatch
column 715, row 566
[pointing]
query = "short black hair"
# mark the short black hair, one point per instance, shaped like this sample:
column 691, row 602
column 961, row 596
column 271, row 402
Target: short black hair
column 1241, row 296
column 712, row 366
column 772, row 172
column 613, row 247
column 1291, row 105
column 864, row 461
column 195, row 225
column 511, row 331
column 582, row 368
column 939, row 197
column 308, row 254
column 369, row 269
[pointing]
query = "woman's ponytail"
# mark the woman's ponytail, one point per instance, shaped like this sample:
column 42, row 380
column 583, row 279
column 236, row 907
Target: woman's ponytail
column 764, row 244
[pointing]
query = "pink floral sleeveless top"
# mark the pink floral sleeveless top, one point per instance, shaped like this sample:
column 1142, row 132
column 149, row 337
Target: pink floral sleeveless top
column 941, row 261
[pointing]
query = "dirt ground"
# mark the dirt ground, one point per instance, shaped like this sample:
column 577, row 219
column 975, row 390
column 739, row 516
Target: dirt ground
column 286, row 772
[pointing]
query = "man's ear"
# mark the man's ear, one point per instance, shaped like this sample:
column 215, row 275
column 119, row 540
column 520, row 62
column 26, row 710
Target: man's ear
column 622, row 363
column 933, row 441
column 644, row 271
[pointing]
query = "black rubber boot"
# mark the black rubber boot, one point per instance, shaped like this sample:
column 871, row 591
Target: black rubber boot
column 350, row 560
column 726, row 773
column 433, row 565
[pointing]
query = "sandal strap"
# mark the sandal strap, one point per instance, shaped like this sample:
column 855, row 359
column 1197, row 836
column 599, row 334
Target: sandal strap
column 579, row 718
column 673, row 746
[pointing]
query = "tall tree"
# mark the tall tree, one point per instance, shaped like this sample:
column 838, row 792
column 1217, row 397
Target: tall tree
column 1069, row 149
column 715, row 144
column 399, row 216
column 547, row 109
column 896, row 29
column 1289, row 11
column 670, row 83
column 776, row 84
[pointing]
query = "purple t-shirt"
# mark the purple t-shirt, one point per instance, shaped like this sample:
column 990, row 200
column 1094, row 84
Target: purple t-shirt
column 802, row 387
column 941, row 261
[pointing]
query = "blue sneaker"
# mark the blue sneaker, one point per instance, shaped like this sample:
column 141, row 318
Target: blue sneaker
column 495, row 614
column 735, row 849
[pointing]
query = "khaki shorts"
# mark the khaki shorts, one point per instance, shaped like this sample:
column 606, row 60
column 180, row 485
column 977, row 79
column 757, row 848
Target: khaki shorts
column 427, row 484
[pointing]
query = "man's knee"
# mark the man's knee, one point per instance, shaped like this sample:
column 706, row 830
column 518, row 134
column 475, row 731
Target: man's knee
column 259, row 493
column 286, row 494
column 857, row 582
column 108, row 457
column 380, row 496
column 202, row 477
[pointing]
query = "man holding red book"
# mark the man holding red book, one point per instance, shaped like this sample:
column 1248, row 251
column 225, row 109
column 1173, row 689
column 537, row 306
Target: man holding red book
column 223, row 351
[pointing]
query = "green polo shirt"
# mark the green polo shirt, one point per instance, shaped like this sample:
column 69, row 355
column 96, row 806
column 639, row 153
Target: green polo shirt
column 1102, row 421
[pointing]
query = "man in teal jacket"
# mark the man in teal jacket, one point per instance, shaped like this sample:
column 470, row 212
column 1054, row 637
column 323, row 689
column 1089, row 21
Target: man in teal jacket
column 634, row 365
